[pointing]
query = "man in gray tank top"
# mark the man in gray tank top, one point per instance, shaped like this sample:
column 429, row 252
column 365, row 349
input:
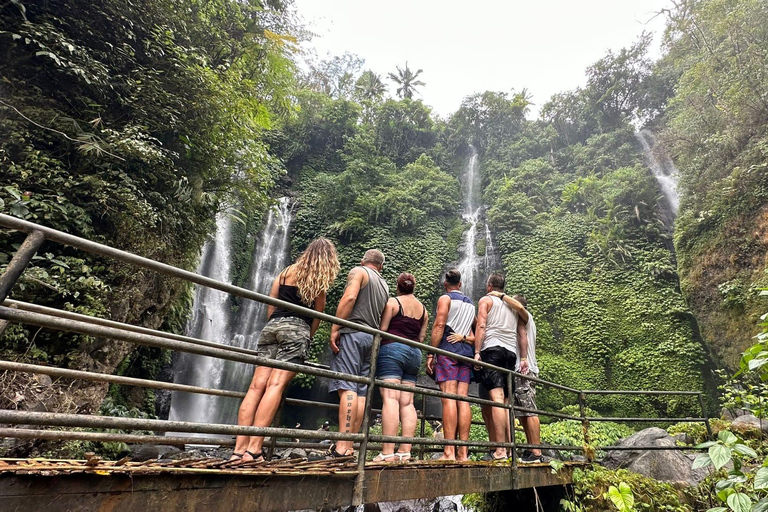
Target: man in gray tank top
column 500, row 338
column 363, row 301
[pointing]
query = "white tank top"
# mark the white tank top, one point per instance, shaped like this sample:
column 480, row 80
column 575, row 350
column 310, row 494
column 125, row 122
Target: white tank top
column 500, row 326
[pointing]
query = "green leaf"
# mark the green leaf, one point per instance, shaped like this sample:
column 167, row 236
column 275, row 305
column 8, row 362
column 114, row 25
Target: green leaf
column 622, row 497
column 717, row 509
column 702, row 461
column 756, row 363
column 761, row 506
column 720, row 455
column 745, row 450
column 740, row 502
column 761, row 478
column 727, row 437
column 706, row 444
column 725, row 493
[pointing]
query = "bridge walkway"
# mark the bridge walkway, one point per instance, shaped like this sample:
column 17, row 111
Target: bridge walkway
column 211, row 485
column 215, row 486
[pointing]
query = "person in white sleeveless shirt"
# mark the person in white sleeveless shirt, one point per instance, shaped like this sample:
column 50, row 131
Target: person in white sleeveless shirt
column 525, row 390
column 500, row 338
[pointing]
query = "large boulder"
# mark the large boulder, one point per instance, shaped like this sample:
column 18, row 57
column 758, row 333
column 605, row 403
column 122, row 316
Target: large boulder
column 664, row 465
column 749, row 424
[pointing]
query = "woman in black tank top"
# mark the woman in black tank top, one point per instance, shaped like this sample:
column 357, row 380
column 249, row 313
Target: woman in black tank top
column 406, row 317
column 286, row 337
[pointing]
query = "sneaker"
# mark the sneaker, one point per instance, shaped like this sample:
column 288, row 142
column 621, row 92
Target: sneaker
column 530, row 458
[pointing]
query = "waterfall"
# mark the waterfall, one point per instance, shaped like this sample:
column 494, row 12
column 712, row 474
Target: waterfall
column 473, row 268
column 213, row 319
column 662, row 167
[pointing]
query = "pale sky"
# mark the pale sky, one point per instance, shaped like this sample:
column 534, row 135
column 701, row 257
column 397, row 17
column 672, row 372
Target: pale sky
column 474, row 46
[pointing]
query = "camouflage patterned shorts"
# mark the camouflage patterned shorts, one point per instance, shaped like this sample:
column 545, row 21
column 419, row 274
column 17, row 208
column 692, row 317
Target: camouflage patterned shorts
column 525, row 395
column 285, row 339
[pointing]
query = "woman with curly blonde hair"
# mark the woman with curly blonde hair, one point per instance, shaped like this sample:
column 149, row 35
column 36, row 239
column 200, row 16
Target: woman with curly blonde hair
column 286, row 337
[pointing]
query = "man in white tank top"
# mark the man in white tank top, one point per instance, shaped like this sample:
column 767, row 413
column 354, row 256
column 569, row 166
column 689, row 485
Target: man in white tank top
column 500, row 339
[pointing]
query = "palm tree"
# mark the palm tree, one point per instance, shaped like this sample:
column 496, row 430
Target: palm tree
column 370, row 86
column 406, row 80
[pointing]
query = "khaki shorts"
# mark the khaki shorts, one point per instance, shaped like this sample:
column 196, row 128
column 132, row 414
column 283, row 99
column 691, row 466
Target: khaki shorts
column 525, row 396
column 285, row 339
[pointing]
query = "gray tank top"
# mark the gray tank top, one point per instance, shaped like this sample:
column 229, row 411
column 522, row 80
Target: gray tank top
column 371, row 300
column 500, row 327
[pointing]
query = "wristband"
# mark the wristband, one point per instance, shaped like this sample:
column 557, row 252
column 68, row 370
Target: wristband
column 477, row 353
column 523, row 359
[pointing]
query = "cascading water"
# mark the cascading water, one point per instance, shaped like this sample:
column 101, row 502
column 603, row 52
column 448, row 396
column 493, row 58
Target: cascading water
column 213, row 320
column 663, row 169
column 472, row 266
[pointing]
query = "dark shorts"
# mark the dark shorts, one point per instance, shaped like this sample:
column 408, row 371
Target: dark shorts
column 492, row 379
column 354, row 357
column 284, row 339
column 398, row 361
column 447, row 368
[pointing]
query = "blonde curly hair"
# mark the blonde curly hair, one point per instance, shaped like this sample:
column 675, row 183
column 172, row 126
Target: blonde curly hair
column 316, row 269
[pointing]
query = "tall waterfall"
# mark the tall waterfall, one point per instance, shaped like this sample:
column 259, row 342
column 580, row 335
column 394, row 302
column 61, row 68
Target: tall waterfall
column 663, row 169
column 473, row 267
column 213, row 318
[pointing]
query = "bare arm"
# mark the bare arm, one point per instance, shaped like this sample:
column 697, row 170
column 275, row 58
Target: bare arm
column 522, row 347
column 441, row 317
column 438, row 327
column 514, row 305
column 425, row 323
column 319, row 306
column 273, row 292
column 355, row 281
column 483, row 307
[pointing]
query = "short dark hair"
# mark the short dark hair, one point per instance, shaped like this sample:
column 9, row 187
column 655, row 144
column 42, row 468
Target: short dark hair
column 521, row 299
column 453, row 277
column 496, row 281
column 405, row 283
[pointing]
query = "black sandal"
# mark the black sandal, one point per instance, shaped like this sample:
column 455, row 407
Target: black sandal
column 237, row 456
column 255, row 456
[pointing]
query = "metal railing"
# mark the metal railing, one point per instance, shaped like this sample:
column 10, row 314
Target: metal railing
column 56, row 319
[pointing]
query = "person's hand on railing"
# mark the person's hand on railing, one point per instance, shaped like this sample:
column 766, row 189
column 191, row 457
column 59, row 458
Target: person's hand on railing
column 334, row 341
column 431, row 364
column 477, row 358
column 524, row 368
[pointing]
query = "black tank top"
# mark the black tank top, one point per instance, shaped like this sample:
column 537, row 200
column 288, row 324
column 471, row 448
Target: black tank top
column 405, row 326
column 290, row 293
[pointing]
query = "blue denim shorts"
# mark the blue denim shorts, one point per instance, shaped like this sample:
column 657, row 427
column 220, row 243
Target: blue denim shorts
column 398, row 361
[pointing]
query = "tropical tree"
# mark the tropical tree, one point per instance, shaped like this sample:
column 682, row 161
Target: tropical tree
column 406, row 81
column 370, row 86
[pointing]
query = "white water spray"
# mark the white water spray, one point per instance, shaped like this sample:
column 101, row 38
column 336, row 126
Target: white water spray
column 213, row 319
column 663, row 169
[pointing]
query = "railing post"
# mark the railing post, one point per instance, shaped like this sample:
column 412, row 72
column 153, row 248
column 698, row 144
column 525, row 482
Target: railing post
column 705, row 415
column 19, row 262
column 276, row 423
column 512, row 441
column 584, row 423
column 357, row 493
column 422, row 430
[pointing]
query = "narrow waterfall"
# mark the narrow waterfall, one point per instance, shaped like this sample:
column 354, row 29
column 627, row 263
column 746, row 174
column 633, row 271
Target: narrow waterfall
column 663, row 169
column 474, row 267
column 213, row 318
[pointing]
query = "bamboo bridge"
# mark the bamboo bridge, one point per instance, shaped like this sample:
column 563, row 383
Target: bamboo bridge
column 215, row 484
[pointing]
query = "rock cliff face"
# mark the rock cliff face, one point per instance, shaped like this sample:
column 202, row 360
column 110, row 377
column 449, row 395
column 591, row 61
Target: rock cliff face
column 720, row 275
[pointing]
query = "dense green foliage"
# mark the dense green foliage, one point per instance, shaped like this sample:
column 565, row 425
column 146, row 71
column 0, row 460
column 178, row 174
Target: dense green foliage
column 132, row 125
column 715, row 127
column 580, row 229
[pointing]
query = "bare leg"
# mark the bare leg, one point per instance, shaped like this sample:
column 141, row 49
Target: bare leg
column 390, row 414
column 249, row 404
column 488, row 419
column 500, row 422
column 347, row 413
column 267, row 408
column 450, row 419
column 408, row 417
column 532, row 431
column 463, row 421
